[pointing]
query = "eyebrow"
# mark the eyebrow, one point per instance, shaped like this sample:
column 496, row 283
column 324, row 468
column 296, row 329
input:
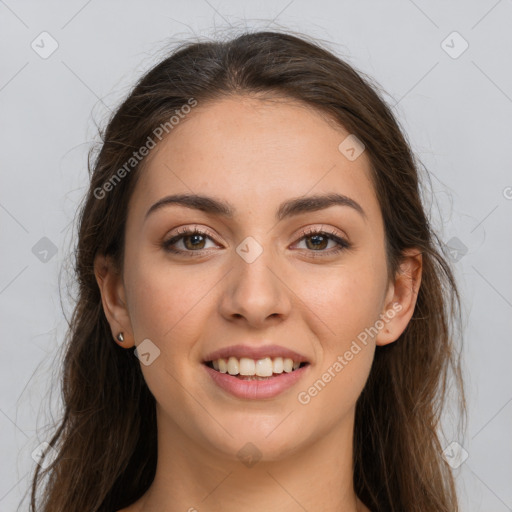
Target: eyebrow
column 289, row 208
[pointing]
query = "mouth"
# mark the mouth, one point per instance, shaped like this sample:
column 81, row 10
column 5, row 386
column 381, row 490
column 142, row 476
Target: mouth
column 249, row 369
column 255, row 379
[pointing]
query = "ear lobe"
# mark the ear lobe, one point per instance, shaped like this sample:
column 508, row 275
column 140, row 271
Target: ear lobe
column 113, row 299
column 401, row 297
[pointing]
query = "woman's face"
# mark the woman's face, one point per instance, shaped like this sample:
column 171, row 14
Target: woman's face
column 311, row 282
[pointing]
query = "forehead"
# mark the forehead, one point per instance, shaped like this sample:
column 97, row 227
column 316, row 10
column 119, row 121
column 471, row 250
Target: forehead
column 256, row 151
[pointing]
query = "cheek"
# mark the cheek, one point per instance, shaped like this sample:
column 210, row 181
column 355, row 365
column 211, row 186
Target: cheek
column 165, row 304
column 168, row 307
column 348, row 304
column 346, row 299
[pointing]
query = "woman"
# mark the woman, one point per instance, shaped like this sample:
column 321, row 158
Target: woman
column 254, row 229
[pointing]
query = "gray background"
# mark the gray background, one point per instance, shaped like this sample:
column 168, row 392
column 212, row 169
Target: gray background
column 455, row 107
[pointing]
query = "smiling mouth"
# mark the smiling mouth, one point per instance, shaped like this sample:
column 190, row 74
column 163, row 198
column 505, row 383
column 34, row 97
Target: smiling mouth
column 255, row 369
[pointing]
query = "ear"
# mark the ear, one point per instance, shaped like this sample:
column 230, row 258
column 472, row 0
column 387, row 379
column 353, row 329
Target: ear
column 401, row 297
column 113, row 298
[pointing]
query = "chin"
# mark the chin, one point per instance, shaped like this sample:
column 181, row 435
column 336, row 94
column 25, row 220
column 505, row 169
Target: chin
column 265, row 438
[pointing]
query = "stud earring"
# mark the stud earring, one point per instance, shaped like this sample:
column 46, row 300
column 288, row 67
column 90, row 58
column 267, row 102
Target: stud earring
column 120, row 337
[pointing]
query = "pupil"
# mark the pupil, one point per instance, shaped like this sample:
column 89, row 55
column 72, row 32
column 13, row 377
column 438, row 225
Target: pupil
column 196, row 238
column 318, row 241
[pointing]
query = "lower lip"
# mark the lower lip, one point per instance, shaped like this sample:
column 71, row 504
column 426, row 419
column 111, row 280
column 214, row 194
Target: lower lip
column 256, row 389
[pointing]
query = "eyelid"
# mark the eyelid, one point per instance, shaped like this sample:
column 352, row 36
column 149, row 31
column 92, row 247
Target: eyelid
column 190, row 230
column 322, row 228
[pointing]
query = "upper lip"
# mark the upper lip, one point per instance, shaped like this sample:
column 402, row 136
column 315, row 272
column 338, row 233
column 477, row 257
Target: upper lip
column 252, row 352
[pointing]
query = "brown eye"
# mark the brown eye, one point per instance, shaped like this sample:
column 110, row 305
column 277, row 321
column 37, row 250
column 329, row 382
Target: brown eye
column 317, row 242
column 187, row 241
column 321, row 243
column 192, row 242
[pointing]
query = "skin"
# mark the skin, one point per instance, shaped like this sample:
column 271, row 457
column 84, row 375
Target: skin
column 255, row 154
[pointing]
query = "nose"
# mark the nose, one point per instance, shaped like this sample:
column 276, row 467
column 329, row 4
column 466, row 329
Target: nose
column 256, row 293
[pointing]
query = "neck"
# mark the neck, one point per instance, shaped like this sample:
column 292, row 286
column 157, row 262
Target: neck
column 191, row 478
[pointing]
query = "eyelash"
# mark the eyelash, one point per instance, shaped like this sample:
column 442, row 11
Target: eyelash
column 342, row 243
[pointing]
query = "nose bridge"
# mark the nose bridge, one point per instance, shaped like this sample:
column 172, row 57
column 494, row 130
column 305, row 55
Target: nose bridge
column 254, row 290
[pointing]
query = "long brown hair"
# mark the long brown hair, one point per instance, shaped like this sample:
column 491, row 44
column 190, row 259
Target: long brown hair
column 106, row 441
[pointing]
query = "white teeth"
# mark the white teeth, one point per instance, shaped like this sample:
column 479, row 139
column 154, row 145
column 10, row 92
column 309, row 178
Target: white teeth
column 288, row 364
column 264, row 367
column 233, row 367
column 278, row 365
column 223, row 366
column 248, row 367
